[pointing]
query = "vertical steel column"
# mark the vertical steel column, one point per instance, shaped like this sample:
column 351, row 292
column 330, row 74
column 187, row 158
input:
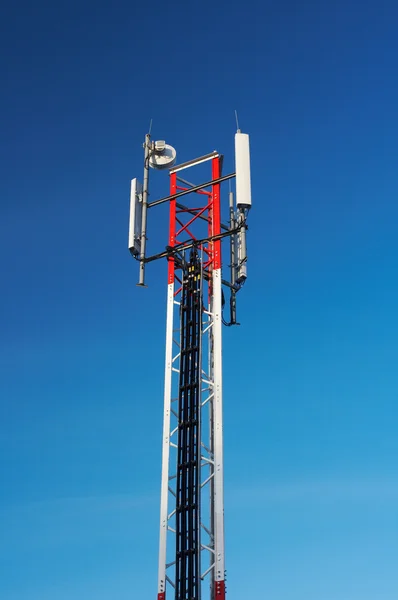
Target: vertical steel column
column 232, row 302
column 211, row 391
column 167, row 403
column 144, row 208
column 218, row 501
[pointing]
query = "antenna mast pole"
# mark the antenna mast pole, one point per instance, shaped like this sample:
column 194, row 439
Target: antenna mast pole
column 145, row 194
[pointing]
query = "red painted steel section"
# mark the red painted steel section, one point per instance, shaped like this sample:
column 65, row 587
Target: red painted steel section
column 203, row 192
column 216, row 212
column 172, row 229
column 219, row 590
column 200, row 212
column 162, row 596
column 212, row 208
column 184, row 228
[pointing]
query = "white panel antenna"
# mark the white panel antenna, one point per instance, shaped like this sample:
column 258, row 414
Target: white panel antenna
column 242, row 168
column 135, row 217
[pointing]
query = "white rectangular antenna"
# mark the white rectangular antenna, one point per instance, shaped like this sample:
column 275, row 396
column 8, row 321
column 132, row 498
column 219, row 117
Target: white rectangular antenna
column 242, row 168
column 135, row 217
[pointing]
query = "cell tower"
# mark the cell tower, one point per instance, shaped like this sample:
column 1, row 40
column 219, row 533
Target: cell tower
column 191, row 543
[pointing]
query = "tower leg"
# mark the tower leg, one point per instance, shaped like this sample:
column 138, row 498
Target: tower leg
column 218, row 501
column 164, row 493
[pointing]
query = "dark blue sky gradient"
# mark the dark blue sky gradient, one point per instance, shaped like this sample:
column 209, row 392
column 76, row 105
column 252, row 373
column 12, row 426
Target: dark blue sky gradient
column 311, row 376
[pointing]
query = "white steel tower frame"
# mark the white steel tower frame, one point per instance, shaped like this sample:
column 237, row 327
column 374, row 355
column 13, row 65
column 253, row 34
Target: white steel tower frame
column 211, row 443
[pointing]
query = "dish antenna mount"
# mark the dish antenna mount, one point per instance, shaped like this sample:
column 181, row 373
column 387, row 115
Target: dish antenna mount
column 162, row 155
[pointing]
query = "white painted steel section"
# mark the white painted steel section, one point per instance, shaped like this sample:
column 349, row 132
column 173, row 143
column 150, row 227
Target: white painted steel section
column 135, row 221
column 166, row 441
column 218, row 430
column 242, row 168
column 192, row 163
column 211, row 517
column 207, row 463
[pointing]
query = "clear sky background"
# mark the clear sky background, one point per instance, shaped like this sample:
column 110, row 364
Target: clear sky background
column 311, row 376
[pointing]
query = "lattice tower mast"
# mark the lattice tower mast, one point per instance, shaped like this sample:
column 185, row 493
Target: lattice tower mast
column 191, row 542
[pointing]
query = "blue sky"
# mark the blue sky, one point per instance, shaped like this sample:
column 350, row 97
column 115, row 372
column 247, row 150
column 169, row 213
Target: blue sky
column 311, row 448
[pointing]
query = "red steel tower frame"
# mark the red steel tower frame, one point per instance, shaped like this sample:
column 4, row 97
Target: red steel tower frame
column 182, row 225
